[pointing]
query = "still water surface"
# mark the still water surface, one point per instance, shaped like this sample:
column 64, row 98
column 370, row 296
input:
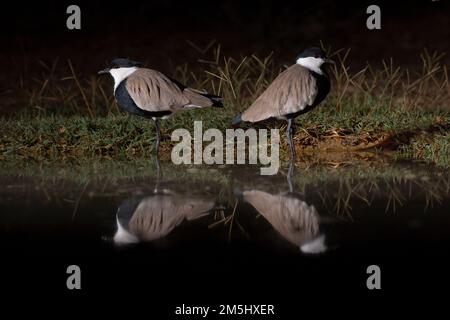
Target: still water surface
column 226, row 229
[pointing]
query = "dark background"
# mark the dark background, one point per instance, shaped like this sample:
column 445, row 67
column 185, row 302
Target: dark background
column 158, row 31
column 165, row 34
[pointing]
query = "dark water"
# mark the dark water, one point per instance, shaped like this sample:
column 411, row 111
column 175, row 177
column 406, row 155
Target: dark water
column 210, row 237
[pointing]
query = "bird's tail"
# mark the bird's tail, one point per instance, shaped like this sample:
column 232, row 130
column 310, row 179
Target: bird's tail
column 216, row 100
column 236, row 120
column 203, row 100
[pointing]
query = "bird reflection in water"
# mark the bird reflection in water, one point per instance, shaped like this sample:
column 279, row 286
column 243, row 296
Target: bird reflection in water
column 297, row 221
column 154, row 216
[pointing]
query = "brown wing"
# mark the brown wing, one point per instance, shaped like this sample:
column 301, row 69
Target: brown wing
column 292, row 91
column 294, row 219
column 153, row 91
column 156, row 216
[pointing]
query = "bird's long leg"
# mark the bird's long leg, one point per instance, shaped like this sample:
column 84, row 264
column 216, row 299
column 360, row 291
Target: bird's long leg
column 289, row 135
column 158, row 136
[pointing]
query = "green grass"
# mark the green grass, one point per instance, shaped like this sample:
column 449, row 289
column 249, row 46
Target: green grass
column 435, row 150
column 412, row 133
column 385, row 109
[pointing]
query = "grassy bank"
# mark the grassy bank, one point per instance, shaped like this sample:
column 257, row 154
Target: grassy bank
column 405, row 112
column 419, row 134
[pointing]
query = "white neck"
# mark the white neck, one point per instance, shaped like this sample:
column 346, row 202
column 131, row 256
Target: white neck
column 120, row 74
column 122, row 236
column 314, row 246
column 311, row 63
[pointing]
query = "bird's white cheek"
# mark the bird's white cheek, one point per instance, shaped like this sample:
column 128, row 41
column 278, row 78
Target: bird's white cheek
column 311, row 63
column 119, row 74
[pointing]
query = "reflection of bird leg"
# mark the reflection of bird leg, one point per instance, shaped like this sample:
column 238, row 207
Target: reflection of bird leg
column 158, row 169
column 158, row 174
column 289, row 135
column 158, row 136
column 289, row 175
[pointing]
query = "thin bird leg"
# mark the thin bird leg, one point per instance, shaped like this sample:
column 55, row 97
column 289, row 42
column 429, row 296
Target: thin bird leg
column 289, row 135
column 158, row 136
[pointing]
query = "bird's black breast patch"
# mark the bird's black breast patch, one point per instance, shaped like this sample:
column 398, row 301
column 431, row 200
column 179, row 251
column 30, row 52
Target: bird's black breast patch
column 127, row 209
column 127, row 103
column 323, row 88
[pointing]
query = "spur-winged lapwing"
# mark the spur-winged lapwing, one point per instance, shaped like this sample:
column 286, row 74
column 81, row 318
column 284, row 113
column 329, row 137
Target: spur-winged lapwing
column 295, row 91
column 291, row 217
column 151, row 94
column 152, row 217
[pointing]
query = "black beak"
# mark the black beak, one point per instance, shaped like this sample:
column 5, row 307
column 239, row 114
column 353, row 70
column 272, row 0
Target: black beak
column 330, row 61
column 104, row 71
